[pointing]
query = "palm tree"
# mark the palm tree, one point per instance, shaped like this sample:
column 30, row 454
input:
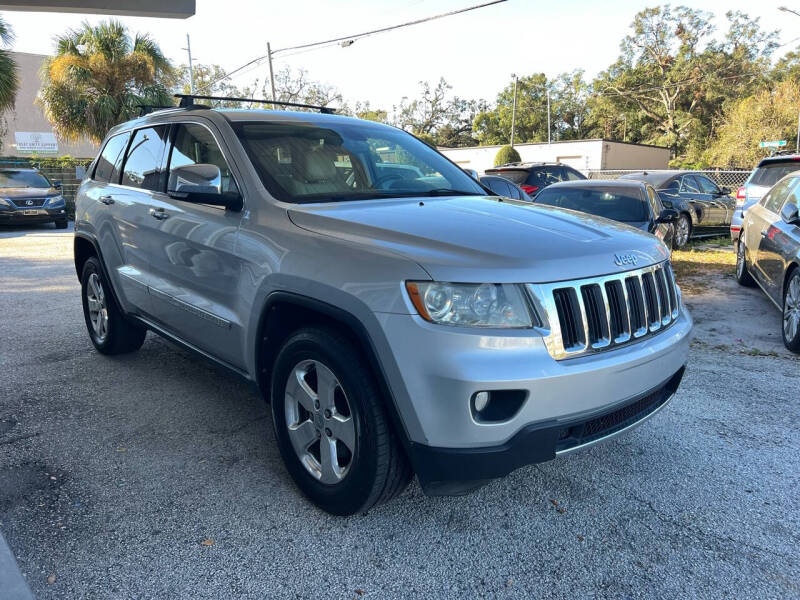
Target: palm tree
column 9, row 82
column 101, row 76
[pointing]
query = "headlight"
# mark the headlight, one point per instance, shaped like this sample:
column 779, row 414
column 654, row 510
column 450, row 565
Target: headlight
column 5, row 202
column 471, row 304
column 55, row 201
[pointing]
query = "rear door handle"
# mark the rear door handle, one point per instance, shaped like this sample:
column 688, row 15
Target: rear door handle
column 106, row 200
column 158, row 213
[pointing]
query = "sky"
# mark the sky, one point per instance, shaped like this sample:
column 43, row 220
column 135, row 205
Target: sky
column 475, row 52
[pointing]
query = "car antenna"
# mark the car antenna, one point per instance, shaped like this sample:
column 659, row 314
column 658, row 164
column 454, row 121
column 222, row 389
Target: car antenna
column 188, row 100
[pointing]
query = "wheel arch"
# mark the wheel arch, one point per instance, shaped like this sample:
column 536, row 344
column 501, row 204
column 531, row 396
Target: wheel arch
column 285, row 312
column 793, row 266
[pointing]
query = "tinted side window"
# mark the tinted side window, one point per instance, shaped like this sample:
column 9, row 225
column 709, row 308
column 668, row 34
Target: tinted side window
column 774, row 200
column 571, row 174
column 706, row 185
column 690, row 185
column 794, row 197
column 513, row 192
column 655, row 202
column 107, row 167
column 143, row 162
column 674, row 186
column 194, row 144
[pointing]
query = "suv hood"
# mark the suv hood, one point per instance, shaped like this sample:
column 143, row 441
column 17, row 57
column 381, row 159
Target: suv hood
column 28, row 192
column 484, row 239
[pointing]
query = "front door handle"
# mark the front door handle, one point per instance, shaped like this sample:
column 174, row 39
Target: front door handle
column 107, row 200
column 158, row 213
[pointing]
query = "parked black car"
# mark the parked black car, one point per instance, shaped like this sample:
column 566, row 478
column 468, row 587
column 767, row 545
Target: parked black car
column 27, row 196
column 634, row 203
column 704, row 207
column 504, row 187
column 768, row 252
column 534, row 177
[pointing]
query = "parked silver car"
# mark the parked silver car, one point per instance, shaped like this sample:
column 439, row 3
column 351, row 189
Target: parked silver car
column 763, row 177
column 768, row 252
column 397, row 324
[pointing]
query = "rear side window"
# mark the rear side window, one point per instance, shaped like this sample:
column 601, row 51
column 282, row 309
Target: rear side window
column 689, row 185
column 571, row 174
column 770, row 173
column 107, row 167
column 144, row 158
column 774, row 199
column 708, row 186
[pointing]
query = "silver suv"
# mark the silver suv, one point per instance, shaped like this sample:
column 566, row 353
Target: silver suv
column 399, row 320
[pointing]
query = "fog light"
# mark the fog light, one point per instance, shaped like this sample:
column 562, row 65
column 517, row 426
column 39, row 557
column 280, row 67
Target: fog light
column 480, row 400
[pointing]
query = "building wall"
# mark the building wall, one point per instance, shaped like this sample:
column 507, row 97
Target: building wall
column 28, row 117
column 584, row 155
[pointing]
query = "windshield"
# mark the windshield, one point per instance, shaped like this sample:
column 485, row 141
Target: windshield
column 348, row 161
column 769, row 173
column 23, row 179
column 619, row 205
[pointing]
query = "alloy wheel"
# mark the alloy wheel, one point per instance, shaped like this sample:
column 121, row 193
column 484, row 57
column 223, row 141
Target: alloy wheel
column 98, row 309
column 791, row 309
column 319, row 421
column 681, row 231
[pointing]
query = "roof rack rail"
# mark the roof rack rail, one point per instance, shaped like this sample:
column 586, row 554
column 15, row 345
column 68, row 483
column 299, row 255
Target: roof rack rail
column 188, row 100
column 146, row 109
column 782, row 152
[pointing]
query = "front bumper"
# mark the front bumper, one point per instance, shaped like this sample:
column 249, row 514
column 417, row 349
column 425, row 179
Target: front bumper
column 35, row 215
column 443, row 367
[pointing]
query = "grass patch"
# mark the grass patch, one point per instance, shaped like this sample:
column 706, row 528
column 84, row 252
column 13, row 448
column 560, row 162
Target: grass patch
column 695, row 269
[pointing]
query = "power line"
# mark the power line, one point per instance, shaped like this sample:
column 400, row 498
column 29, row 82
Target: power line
column 352, row 38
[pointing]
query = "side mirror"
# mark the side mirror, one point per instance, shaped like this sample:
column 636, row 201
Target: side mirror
column 724, row 191
column 668, row 215
column 57, row 183
column 202, row 183
column 789, row 214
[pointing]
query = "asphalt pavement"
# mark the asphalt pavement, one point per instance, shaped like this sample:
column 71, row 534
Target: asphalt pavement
column 154, row 475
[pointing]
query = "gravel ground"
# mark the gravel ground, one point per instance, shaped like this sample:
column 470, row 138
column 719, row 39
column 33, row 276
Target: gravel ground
column 156, row 476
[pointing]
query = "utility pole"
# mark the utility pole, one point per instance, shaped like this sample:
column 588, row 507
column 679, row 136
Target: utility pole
column 548, row 114
column 191, row 68
column 514, row 110
column 271, row 74
column 797, row 147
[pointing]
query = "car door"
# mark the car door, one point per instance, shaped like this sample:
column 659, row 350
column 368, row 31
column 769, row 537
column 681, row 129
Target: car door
column 719, row 206
column 691, row 192
column 780, row 240
column 196, row 270
column 758, row 220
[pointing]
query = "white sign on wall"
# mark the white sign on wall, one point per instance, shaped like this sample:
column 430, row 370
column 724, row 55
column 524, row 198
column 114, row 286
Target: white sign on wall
column 41, row 142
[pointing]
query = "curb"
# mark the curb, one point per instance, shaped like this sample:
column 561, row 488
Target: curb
column 12, row 583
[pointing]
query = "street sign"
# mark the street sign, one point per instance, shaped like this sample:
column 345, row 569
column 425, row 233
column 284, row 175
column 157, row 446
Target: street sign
column 776, row 144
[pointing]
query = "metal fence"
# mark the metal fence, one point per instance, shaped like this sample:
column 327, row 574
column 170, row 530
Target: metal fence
column 730, row 179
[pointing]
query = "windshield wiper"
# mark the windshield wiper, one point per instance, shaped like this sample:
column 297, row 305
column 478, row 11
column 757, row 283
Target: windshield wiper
column 448, row 192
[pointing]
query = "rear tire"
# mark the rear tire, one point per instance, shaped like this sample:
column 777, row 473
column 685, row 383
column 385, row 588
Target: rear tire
column 743, row 276
column 791, row 312
column 109, row 330
column 682, row 233
column 61, row 224
column 324, row 397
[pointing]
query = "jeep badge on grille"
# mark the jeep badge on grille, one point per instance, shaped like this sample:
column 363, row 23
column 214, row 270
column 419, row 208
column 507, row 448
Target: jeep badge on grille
column 625, row 259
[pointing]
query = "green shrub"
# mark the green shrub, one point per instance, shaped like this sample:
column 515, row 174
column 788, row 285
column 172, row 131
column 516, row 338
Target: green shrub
column 506, row 155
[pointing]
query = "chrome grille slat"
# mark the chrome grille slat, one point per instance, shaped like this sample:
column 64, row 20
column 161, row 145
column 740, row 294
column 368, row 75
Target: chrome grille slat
column 637, row 304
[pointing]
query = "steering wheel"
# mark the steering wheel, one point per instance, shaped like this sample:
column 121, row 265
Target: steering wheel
column 379, row 181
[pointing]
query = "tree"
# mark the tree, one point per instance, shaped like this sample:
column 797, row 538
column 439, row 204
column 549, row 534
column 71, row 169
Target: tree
column 210, row 80
column 9, row 81
column 100, row 76
column 494, row 126
column 771, row 114
column 365, row 111
column 506, row 155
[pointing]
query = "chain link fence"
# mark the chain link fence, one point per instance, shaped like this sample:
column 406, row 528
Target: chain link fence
column 729, row 179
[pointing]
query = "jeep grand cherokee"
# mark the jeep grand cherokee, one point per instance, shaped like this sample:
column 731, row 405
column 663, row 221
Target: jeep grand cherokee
column 398, row 320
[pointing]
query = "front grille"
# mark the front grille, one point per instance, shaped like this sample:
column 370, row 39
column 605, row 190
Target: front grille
column 23, row 202
column 591, row 315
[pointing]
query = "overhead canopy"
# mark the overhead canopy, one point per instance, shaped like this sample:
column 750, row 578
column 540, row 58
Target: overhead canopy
column 174, row 9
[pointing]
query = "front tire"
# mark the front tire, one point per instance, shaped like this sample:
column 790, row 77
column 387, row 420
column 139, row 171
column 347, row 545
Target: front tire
column 331, row 427
column 683, row 230
column 109, row 330
column 743, row 276
column 791, row 313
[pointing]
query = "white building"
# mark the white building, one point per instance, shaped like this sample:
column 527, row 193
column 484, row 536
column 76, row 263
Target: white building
column 584, row 155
